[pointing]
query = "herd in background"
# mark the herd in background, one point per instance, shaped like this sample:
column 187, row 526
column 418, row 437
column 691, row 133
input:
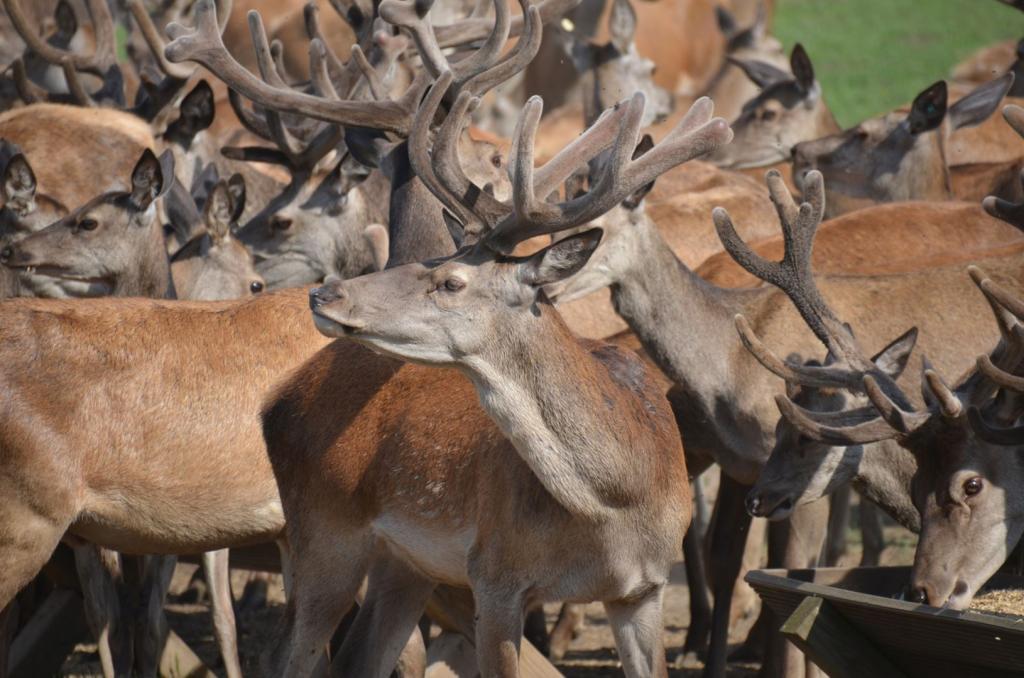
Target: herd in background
column 246, row 156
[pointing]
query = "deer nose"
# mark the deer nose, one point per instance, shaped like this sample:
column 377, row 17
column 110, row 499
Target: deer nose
column 919, row 595
column 326, row 294
column 753, row 503
column 6, row 254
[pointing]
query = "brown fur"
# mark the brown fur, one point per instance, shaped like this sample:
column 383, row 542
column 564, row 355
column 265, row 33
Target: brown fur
column 886, row 239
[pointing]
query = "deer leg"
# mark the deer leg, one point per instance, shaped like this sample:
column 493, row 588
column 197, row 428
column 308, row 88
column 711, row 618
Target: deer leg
column 218, row 578
column 386, row 629
column 535, row 629
column 151, row 623
column 326, row 568
column 871, row 533
column 729, row 526
column 700, row 603
column 838, row 522
column 99, row 572
column 794, row 543
column 499, row 629
column 570, row 618
column 637, row 626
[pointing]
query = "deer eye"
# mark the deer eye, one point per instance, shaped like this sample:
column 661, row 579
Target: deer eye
column 496, row 160
column 280, row 223
column 256, row 287
column 454, row 284
column 767, row 115
column 973, row 486
column 87, row 224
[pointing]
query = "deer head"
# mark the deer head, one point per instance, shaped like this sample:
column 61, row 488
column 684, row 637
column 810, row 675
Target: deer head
column 788, row 110
column 113, row 244
column 215, row 265
column 447, row 311
column 611, row 72
column 898, row 156
column 951, row 437
column 24, row 210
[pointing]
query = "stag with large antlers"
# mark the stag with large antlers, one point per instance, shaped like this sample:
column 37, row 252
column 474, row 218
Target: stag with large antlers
column 470, row 310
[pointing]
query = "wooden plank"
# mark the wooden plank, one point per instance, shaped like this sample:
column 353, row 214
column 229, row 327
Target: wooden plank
column 453, row 610
column 49, row 636
column 179, row 661
column 833, row 644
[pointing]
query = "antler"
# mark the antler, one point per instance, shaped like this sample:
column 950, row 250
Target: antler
column 621, row 175
column 203, row 45
column 103, row 57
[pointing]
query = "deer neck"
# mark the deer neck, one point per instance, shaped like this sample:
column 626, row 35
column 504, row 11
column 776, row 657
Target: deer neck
column 884, row 476
column 150, row 276
column 685, row 323
column 417, row 229
column 571, row 416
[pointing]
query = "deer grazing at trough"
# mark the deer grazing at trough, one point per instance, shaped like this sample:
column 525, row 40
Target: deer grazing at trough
column 470, row 311
column 901, row 155
column 861, row 418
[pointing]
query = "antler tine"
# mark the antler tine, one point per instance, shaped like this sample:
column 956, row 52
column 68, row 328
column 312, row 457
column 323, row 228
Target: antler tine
column 203, row 45
column 485, row 206
column 311, row 14
column 999, row 377
column 419, row 154
column 826, row 376
column 413, row 16
column 1012, row 436
column 97, row 63
column 319, row 57
column 29, row 92
column 621, row 175
column 155, row 42
column 516, row 60
column 75, row 86
column 490, row 51
column 896, row 415
column 473, row 29
column 250, row 120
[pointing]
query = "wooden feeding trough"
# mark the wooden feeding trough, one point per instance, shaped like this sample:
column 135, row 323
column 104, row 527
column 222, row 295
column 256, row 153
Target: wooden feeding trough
column 852, row 623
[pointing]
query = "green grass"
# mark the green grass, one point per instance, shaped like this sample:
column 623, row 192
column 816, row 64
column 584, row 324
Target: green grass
column 873, row 55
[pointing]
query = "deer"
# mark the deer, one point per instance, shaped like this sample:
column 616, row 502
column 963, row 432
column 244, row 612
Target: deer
column 928, row 466
column 483, row 279
column 788, row 109
column 114, row 246
column 898, row 156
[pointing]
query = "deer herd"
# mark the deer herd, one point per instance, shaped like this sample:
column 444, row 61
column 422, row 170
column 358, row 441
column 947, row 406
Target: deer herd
column 441, row 295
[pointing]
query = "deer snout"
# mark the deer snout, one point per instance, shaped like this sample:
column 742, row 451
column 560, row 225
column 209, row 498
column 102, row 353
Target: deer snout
column 761, row 504
column 330, row 292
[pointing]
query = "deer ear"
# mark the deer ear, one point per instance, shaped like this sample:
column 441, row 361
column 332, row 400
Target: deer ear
column 760, row 73
column 893, row 359
column 726, row 22
column 561, row 260
column 151, row 178
column 236, row 188
column 377, row 238
column 67, row 22
column 801, row 66
column 217, row 211
column 977, row 106
column 19, row 182
column 198, row 107
column 622, row 25
column 928, row 109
